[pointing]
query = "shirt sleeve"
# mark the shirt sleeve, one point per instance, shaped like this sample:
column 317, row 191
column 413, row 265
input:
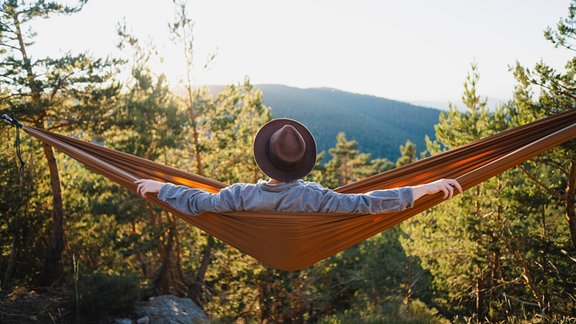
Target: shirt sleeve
column 307, row 198
column 194, row 201
column 373, row 202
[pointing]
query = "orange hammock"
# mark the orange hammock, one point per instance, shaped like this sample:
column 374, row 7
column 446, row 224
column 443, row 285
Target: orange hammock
column 292, row 241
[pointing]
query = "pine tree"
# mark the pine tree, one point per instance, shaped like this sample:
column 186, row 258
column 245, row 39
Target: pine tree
column 547, row 262
column 231, row 120
column 347, row 165
column 407, row 154
column 182, row 29
column 57, row 93
column 458, row 241
column 556, row 95
column 231, row 123
column 147, row 122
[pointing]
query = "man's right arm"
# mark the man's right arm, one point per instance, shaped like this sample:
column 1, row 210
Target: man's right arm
column 146, row 186
column 188, row 200
column 192, row 201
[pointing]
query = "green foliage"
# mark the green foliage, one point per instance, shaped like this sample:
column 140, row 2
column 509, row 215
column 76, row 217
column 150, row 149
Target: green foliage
column 67, row 93
column 106, row 227
column 102, row 295
column 377, row 268
column 390, row 311
column 348, row 164
column 463, row 242
column 563, row 36
column 58, row 91
column 229, row 123
column 408, row 152
column 550, row 176
column 24, row 205
column 492, row 250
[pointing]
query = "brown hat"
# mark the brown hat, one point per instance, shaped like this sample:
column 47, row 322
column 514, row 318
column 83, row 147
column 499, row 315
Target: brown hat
column 285, row 150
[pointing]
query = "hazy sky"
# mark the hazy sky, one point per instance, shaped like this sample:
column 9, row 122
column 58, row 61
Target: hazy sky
column 410, row 50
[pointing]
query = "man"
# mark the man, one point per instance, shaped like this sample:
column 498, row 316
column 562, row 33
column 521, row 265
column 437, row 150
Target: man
column 285, row 151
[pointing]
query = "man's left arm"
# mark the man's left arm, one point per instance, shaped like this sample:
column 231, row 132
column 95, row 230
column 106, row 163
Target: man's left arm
column 447, row 186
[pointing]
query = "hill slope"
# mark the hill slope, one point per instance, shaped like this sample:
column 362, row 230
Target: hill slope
column 379, row 125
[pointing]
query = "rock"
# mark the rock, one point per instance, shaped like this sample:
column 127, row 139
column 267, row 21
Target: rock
column 123, row 321
column 170, row 309
column 143, row 320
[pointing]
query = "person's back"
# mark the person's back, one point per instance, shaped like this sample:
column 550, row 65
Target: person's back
column 296, row 196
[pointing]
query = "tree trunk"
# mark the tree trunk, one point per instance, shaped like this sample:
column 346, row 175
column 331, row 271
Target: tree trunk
column 479, row 286
column 530, row 281
column 16, row 232
column 571, row 203
column 144, row 266
column 170, row 279
column 6, row 283
column 264, row 291
column 52, row 267
column 494, row 279
column 478, row 293
column 408, row 288
column 195, row 290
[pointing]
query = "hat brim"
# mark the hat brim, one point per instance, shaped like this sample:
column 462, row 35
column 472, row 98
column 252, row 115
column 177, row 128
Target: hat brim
column 261, row 142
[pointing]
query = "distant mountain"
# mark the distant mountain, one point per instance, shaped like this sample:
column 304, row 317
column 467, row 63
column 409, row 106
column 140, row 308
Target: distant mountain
column 379, row 125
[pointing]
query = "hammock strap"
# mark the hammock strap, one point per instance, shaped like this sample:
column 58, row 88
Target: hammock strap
column 16, row 123
column 121, row 176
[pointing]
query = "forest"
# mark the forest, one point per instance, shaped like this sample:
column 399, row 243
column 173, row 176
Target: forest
column 503, row 251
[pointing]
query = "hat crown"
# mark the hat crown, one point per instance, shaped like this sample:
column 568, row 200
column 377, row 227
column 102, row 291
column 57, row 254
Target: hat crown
column 286, row 148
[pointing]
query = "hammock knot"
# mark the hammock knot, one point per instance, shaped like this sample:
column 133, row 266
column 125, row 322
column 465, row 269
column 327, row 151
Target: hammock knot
column 12, row 121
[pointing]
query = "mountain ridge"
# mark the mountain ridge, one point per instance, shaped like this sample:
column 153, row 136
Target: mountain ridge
column 379, row 125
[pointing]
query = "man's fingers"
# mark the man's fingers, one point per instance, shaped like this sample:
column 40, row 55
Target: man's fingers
column 448, row 185
column 456, row 184
column 146, row 186
column 141, row 188
column 448, row 191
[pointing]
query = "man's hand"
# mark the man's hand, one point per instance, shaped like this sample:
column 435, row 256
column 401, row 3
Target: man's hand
column 146, row 186
column 446, row 186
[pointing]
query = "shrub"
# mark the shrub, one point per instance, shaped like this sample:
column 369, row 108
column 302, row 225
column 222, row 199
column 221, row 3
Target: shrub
column 391, row 311
column 101, row 295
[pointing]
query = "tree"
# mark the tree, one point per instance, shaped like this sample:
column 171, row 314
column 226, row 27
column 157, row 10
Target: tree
column 17, row 193
column 147, row 122
column 492, row 251
column 231, row 123
column 459, row 240
column 56, row 93
column 228, row 129
column 347, row 164
column 195, row 102
column 182, row 31
column 556, row 95
column 407, row 154
column 543, row 91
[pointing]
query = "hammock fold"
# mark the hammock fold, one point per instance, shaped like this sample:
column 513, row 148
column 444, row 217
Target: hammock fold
column 293, row 241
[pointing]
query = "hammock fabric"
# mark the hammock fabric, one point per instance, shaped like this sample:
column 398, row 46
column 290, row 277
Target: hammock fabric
column 293, row 241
